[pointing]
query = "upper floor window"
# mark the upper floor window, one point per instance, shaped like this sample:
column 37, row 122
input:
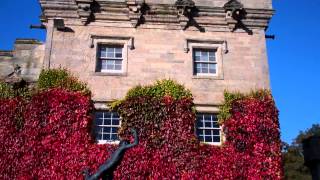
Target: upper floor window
column 107, row 125
column 110, row 58
column 205, row 62
column 208, row 129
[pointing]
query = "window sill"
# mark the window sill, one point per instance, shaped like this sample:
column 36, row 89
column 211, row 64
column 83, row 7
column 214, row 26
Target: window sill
column 103, row 142
column 212, row 144
column 207, row 77
column 109, row 74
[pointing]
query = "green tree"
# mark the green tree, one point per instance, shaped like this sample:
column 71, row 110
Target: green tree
column 293, row 156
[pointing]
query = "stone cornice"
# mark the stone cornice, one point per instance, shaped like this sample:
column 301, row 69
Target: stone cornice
column 136, row 13
column 5, row 53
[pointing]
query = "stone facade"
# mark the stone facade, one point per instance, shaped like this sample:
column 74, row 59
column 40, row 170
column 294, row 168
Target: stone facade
column 158, row 38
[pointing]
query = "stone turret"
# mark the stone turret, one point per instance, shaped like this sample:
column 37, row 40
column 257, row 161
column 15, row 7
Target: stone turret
column 27, row 55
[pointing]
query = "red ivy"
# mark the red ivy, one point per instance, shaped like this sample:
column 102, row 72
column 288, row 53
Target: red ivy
column 55, row 142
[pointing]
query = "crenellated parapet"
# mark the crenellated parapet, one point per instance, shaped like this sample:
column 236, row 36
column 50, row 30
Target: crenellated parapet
column 180, row 14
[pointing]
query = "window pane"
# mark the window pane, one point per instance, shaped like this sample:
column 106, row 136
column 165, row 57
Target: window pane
column 99, row 130
column 110, row 62
column 208, row 139
column 110, row 67
column 110, row 50
column 117, row 67
column 118, row 50
column 208, row 132
column 107, row 121
column 212, row 68
column 199, row 132
column 118, row 55
column 110, row 55
column 199, row 123
column 107, row 130
column 212, row 53
column 216, row 125
column 103, row 52
column 114, row 137
column 216, row 139
column 207, row 117
column 115, row 115
column 198, row 70
column 212, row 59
column 106, row 137
column 103, row 64
column 99, row 137
column 99, row 114
column 99, row 121
column 201, row 138
column 118, row 62
column 208, row 124
column 115, row 122
column 199, row 117
column 216, row 132
column 114, row 130
column 204, row 70
column 197, row 53
column 204, row 56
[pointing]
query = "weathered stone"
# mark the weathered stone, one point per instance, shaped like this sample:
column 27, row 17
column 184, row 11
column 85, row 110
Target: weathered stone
column 27, row 54
column 158, row 43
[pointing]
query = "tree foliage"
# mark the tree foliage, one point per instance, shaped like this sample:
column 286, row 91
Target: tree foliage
column 61, row 78
column 160, row 89
column 293, row 156
column 8, row 91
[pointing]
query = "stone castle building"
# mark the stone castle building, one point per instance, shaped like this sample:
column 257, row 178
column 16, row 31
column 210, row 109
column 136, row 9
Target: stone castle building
column 113, row 45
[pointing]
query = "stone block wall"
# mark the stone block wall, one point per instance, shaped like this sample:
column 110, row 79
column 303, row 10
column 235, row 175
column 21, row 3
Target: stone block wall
column 159, row 54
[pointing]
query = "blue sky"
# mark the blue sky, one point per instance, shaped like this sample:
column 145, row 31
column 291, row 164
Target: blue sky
column 294, row 56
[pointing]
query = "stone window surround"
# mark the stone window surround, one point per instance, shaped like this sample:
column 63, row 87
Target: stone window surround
column 221, row 48
column 125, row 41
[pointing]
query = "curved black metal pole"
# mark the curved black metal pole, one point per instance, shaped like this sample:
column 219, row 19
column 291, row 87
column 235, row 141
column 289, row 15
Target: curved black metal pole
column 106, row 170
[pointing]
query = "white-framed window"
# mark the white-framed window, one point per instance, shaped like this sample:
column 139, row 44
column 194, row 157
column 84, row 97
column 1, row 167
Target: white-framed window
column 110, row 58
column 208, row 129
column 106, row 128
column 205, row 62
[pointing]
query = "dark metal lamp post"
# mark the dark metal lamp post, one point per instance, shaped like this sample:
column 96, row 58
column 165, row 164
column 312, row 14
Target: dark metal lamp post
column 311, row 152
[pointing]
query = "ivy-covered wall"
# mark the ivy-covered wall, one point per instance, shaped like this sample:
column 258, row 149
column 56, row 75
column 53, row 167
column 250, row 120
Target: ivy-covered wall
column 53, row 141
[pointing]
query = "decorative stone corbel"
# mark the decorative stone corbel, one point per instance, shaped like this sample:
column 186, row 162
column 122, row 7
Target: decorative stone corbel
column 135, row 11
column 184, row 8
column 84, row 10
column 235, row 13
